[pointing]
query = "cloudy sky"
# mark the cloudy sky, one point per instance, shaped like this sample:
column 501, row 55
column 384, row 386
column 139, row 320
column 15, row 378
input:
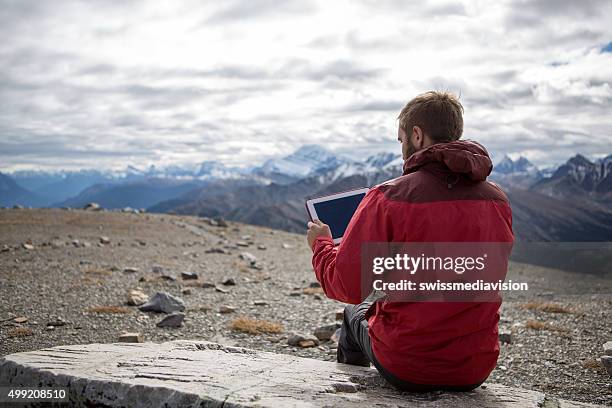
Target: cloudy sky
column 104, row 83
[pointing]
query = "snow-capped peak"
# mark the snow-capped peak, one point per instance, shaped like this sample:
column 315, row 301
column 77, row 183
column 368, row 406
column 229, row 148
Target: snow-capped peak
column 209, row 167
column 381, row 160
column 304, row 161
column 520, row 165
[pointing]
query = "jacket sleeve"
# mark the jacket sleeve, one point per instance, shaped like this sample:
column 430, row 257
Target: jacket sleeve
column 338, row 269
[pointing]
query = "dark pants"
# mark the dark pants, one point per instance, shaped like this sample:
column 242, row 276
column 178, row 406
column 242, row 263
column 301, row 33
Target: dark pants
column 354, row 348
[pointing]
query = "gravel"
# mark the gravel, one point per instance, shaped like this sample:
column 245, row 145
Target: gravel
column 554, row 352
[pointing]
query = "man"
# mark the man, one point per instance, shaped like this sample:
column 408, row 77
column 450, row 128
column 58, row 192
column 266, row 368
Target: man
column 442, row 196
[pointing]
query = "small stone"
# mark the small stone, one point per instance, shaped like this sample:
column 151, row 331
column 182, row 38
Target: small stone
column 186, row 291
column 260, row 303
column 27, row 246
column 50, row 327
column 314, row 285
column 242, row 244
column 207, row 285
column 221, row 222
column 157, row 269
column 505, row 336
column 261, row 247
column 104, row 240
column 325, row 333
column 20, row 319
column 286, row 246
column 302, row 340
column 295, row 294
column 131, row 338
column 217, row 250
column 56, row 243
column 220, row 289
column 339, row 314
column 336, row 336
column 172, row 320
column 608, row 348
column 227, row 309
column 5, row 248
column 92, row 206
column 249, row 257
column 57, row 322
column 229, row 282
column 136, row 297
column 189, row 275
column 607, row 363
column 168, row 277
column 130, row 270
column 85, row 262
column 163, row 302
column 346, row 387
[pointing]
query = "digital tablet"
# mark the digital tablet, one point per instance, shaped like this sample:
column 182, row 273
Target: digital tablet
column 336, row 210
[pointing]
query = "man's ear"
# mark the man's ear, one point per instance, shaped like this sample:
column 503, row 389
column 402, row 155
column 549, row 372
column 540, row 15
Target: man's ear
column 418, row 136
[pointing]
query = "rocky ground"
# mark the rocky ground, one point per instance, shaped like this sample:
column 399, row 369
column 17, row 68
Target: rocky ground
column 65, row 277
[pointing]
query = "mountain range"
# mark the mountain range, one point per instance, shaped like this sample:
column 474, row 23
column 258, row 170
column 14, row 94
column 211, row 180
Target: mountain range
column 12, row 193
column 572, row 202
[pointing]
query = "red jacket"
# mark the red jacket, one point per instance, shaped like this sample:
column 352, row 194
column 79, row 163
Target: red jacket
column 425, row 342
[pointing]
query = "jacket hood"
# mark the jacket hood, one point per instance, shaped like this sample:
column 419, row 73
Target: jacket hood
column 461, row 156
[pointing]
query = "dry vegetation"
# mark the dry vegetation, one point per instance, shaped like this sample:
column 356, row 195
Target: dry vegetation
column 20, row 332
column 540, row 325
column 97, row 271
column 312, row 291
column 592, row 364
column 547, row 307
column 254, row 326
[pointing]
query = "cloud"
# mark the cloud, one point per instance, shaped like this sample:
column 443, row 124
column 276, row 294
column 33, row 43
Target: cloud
column 152, row 82
column 377, row 105
column 239, row 11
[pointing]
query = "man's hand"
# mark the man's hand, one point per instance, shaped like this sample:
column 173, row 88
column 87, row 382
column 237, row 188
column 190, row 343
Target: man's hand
column 317, row 229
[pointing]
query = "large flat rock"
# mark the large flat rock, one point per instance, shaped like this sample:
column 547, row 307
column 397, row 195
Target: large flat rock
column 203, row 374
